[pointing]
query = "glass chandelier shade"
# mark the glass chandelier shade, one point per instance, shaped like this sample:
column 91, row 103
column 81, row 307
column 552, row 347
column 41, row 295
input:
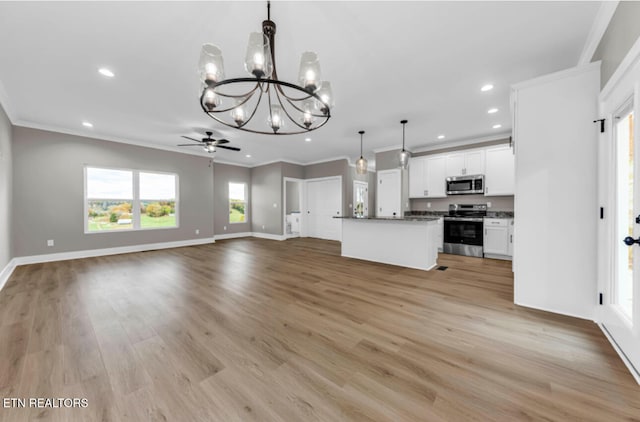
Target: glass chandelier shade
column 279, row 107
column 361, row 163
column 403, row 158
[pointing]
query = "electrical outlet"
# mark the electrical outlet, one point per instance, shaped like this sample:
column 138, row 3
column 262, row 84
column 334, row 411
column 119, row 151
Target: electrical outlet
column 224, row 227
column 197, row 231
column 488, row 204
column 50, row 242
column 428, row 204
column 263, row 227
column 275, row 205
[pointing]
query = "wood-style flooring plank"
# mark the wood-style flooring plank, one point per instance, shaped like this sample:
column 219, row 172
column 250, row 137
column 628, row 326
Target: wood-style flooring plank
column 259, row 330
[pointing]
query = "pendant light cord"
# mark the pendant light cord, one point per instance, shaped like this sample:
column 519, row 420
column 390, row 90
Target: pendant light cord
column 404, row 122
column 361, row 133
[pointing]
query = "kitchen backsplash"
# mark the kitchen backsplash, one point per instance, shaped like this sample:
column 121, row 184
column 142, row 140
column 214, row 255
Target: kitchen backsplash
column 498, row 203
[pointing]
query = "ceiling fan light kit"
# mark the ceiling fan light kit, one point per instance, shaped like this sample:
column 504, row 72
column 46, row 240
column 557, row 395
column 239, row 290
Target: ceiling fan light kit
column 209, row 144
column 263, row 103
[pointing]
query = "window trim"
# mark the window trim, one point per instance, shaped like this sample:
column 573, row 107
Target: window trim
column 135, row 201
column 246, row 202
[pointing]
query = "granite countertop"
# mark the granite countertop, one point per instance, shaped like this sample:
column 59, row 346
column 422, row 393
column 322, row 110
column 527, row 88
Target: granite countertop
column 490, row 214
column 405, row 218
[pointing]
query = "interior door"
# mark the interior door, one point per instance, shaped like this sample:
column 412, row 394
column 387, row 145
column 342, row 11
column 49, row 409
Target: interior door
column 389, row 194
column 324, row 201
column 620, row 313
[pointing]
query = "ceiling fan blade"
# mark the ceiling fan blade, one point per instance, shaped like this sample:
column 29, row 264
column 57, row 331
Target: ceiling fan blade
column 222, row 141
column 192, row 139
column 231, row 148
column 189, row 145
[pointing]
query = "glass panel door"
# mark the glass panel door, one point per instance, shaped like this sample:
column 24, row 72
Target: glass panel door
column 622, row 289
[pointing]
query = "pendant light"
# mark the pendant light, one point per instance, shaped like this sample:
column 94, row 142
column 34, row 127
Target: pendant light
column 361, row 163
column 404, row 154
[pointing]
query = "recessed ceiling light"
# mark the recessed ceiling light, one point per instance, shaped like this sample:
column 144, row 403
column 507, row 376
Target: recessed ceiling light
column 307, row 139
column 498, row 126
column 87, row 124
column 106, row 72
column 492, row 110
column 487, row 87
column 248, row 155
column 440, row 136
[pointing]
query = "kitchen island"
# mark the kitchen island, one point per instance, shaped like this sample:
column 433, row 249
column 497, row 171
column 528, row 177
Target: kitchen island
column 405, row 241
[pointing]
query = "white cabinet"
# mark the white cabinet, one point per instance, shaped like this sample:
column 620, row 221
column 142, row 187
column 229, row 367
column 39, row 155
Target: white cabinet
column 435, row 177
column 500, row 172
column 440, row 235
column 465, row 163
column 389, row 193
column 427, row 177
column 511, row 225
column 417, row 178
column 496, row 237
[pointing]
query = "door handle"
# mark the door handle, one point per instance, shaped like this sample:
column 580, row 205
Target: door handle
column 629, row 241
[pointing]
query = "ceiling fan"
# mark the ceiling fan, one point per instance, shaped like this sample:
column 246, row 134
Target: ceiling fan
column 209, row 144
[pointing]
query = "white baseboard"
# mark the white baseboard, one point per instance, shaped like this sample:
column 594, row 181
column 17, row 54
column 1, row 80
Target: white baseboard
column 62, row 256
column 6, row 272
column 232, row 235
column 554, row 311
column 629, row 365
column 269, row 236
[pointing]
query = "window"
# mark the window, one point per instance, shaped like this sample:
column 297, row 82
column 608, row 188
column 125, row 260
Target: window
column 119, row 199
column 237, row 203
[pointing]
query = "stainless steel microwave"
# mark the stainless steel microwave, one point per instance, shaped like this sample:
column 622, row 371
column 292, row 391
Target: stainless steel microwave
column 465, row 185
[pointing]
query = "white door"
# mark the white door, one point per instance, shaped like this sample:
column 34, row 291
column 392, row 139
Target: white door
column 389, row 193
column 360, row 199
column 619, row 187
column 324, row 201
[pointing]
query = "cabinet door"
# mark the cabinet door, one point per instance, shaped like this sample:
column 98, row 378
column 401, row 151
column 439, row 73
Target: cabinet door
column 474, row 163
column 435, row 176
column 389, row 194
column 496, row 236
column 510, row 230
column 454, row 165
column 417, row 178
column 500, row 174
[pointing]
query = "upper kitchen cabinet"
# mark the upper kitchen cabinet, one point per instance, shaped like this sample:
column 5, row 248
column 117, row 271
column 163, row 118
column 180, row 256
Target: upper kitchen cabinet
column 435, row 177
column 465, row 163
column 500, row 173
column 417, row 178
column 427, row 177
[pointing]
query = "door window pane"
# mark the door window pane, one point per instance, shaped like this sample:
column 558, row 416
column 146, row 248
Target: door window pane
column 623, row 288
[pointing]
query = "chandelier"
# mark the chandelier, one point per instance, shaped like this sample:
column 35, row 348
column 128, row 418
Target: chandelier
column 263, row 103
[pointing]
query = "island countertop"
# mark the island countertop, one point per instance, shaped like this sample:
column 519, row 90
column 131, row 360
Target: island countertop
column 406, row 218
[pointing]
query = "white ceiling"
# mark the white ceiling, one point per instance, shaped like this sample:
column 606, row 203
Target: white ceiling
column 423, row 61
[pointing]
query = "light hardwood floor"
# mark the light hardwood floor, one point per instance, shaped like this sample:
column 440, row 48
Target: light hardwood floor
column 259, row 330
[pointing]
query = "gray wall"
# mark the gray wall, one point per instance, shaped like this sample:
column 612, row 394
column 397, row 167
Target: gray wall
column 222, row 175
column 266, row 199
column 49, row 191
column 621, row 34
column 6, row 189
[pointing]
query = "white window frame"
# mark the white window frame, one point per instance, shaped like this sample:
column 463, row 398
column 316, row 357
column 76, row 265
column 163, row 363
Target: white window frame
column 246, row 202
column 135, row 202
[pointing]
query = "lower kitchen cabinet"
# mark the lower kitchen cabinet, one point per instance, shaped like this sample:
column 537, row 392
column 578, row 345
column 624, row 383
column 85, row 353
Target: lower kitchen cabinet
column 497, row 238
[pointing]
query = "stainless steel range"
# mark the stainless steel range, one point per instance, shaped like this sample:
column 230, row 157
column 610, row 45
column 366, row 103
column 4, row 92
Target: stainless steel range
column 463, row 229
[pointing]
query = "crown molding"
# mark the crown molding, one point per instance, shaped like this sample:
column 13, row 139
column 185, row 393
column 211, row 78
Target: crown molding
column 573, row 71
column 598, row 28
column 463, row 142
